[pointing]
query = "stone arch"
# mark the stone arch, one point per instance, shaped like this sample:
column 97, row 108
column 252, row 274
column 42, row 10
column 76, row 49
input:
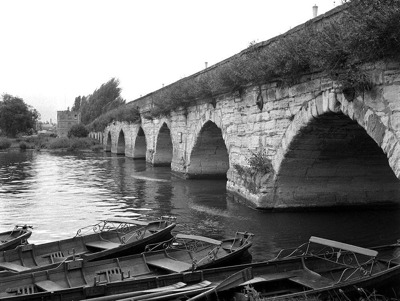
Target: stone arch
column 333, row 154
column 209, row 157
column 108, row 142
column 163, row 149
column 139, row 151
column 121, row 143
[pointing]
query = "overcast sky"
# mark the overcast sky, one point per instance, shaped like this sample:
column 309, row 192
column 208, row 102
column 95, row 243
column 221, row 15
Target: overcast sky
column 54, row 50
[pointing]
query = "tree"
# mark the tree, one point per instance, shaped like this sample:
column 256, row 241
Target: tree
column 78, row 130
column 77, row 104
column 102, row 100
column 16, row 116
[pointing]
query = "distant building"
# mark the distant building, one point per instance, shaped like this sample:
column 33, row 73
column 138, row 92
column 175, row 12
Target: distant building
column 46, row 127
column 65, row 120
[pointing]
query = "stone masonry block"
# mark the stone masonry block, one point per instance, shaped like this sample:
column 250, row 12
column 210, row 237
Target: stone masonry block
column 395, row 121
column 392, row 95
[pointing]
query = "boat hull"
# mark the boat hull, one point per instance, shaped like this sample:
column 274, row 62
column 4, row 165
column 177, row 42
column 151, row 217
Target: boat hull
column 76, row 280
column 12, row 239
column 32, row 258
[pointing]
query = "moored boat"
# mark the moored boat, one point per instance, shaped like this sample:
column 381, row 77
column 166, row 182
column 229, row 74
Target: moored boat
column 326, row 269
column 109, row 238
column 87, row 279
column 18, row 236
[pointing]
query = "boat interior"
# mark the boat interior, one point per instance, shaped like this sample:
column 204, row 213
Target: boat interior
column 186, row 252
column 106, row 236
column 334, row 265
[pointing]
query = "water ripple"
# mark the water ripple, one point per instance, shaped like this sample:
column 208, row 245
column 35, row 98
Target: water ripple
column 60, row 193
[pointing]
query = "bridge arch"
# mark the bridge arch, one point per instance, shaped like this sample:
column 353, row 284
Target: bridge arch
column 108, row 144
column 163, row 151
column 209, row 157
column 139, row 151
column 121, row 143
column 334, row 153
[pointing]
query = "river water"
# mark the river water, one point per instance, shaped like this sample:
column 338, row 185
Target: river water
column 58, row 193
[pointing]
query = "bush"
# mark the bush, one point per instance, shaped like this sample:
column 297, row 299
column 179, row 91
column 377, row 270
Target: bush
column 97, row 147
column 4, row 143
column 78, row 130
column 59, row 143
column 79, row 143
column 123, row 113
column 260, row 162
column 72, row 144
column 41, row 141
column 23, row 145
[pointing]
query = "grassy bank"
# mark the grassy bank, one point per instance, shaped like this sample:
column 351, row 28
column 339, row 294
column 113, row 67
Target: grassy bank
column 46, row 142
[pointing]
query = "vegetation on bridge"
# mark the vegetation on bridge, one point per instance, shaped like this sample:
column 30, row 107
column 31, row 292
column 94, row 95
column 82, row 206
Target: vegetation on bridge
column 126, row 113
column 364, row 31
column 259, row 169
column 361, row 31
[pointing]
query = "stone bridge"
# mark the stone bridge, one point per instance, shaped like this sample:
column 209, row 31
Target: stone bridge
column 307, row 145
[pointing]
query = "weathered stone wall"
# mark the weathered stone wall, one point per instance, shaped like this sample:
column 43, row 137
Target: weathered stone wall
column 324, row 150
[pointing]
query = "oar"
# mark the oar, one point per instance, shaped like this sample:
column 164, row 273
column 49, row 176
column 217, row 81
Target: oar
column 172, row 296
column 196, row 288
column 232, row 281
column 139, row 293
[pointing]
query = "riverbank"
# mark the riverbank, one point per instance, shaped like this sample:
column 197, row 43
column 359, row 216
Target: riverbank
column 47, row 142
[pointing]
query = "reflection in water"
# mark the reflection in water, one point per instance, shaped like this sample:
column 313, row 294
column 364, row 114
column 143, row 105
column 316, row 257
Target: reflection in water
column 59, row 193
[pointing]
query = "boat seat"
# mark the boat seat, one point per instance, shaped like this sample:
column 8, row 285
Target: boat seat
column 55, row 257
column 311, row 280
column 270, row 277
column 170, row 264
column 110, row 275
column 13, row 267
column 102, row 245
column 48, row 285
column 22, row 290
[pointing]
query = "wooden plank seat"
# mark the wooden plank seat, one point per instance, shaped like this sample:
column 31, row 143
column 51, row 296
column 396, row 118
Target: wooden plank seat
column 343, row 246
column 102, row 244
column 55, row 257
column 127, row 221
column 49, row 286
column 170, row 264
column 275, row 276
column 13, row 267
column 199, row 238
column 311, row 279
column 22, row 290
column 111, row 274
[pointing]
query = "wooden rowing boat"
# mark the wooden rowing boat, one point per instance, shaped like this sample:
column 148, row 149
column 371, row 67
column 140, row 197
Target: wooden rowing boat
column 299, row 276
column 109, row 238
column 83, row 279
column 18, row 236
column 327, row 269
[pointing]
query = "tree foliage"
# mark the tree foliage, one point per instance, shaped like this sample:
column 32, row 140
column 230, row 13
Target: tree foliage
column 102, row 100
column 77, row 103
column 78, row 131
column 16, row 116
column 123, row 113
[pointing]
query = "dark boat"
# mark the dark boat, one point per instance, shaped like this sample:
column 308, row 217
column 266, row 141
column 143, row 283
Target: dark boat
column 321, row 269
column 84, row 279
column 110, row 238
column 18, row 236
